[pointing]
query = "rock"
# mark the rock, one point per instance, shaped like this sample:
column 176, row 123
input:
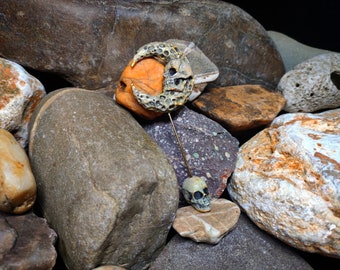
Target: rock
column 292, row 51
column 104, row 185
column 26, row 243
column 20, row 93
column 287, row 180
column 309, row 86
column 240, row 107
column 87, row 42
column 245, row 247
column 109, row 267
column 209, row 227
column 18, row 188
column 210, row 149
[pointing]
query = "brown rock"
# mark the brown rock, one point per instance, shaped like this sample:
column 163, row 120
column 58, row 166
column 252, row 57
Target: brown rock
column 209, row 227
column 240, row 107
column 26, row 242
column 90, row 42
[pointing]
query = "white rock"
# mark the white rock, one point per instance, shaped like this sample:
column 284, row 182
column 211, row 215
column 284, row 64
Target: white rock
column 17, row 183
column 19, row 95
column 287, row 179
column 308, row 87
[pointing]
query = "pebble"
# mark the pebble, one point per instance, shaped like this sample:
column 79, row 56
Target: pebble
column 240, row 107
column 287, row 180
column 18, row 186
column 20, row 93
column 309, row 86
column 209, row 227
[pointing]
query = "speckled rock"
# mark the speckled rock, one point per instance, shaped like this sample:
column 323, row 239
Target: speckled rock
column 240, row 107
column 20, row 93
column 292, row 51
column 210, row 149
column 208, row 227
column 104, row 185
column 26, row 242
column 287, row 179
column 17, row 183
column 90, row 42
column 309, row 86
column 245, row 247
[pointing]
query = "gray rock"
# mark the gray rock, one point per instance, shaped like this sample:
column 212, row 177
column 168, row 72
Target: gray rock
column 26, row 242
column 310, row 85
column 246, row 247
column 292, row 51
column 210, row 149
column 104, row 185
column 90, row 42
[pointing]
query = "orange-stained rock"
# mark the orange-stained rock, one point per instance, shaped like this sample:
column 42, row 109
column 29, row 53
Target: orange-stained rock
column 147, row 76
column 240, row 107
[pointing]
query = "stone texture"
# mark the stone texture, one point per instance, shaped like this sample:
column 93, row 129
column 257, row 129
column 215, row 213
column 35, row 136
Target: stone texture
column 209, row 227
column 90, row 42
column 309, row 86
column 210, row 149
column 109, row 267
column 292, row 51
column 246, row 247
column 287, row 180
column 17, row 183
column 240, row 107
column 104, row 185
column 26, row 242
column 20, row 93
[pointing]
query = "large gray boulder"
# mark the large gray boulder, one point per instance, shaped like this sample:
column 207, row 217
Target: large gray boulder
column 104, row 185
column 90, row 42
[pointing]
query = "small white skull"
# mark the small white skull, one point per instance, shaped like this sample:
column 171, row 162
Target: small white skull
column 196, row 193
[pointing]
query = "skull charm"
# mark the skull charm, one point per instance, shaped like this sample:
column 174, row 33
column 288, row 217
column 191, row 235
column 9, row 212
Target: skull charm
column 196, row 193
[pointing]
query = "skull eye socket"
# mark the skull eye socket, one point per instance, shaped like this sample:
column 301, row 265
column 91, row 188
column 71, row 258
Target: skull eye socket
column 206, row 191
column 198, row 195
column 172, row 71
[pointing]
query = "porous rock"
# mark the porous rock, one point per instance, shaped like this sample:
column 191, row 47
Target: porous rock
column 208, row 227
column 309, row 86
column 245, row 247
column 209, row 148
column 90, row 42
column 26, row 242
column 104, row 185
column 240, row 107
column 17, row 183
column 20, row 93
column 287, row 180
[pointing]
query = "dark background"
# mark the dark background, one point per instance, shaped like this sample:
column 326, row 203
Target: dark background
column 313, row 23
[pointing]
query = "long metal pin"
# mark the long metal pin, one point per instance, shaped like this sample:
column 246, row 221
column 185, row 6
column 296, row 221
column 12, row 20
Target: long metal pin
column 180, row 145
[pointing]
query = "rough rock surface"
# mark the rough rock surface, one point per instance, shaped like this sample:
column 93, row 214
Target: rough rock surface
column 209, row 227
column 245, row 247
column 26, row 242
column 240, row 107
column 90, row 42
column 17, row 183
column 309, row 86
column 20, row 93
column 292, row 51
column 210, row 149
column 104, row 185
column 287, row 179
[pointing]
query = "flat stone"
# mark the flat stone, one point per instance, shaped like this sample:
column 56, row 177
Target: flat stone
column 209, row 227
column 104, row 185
column 309, row 86
column 210, row 149
column 18, row 187
column 245, row 247
column 20, row 93
column 87, row 42
column 287, row 180
column 240, row 107
column 26, row 242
